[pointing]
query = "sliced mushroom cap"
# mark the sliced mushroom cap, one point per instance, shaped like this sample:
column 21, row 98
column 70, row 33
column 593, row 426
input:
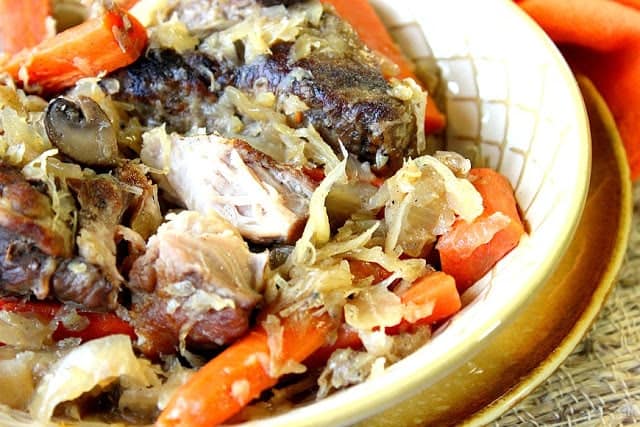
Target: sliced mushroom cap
column 81, row 130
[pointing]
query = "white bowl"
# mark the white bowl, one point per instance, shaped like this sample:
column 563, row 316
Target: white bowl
column 509, row 94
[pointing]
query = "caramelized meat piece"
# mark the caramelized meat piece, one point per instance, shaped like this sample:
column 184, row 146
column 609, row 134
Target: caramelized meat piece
column 163, row 88
column 33, row 256
column 265, row 200
column 196, row 284
column 24, row 268
column 82, row 283
column 144, row 211
column 28, row 245
column 27, row 212
column 349, row 99
column 349, row 103
column 103, row 202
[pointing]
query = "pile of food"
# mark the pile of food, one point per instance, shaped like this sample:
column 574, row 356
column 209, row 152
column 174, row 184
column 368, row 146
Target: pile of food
column 215, row 210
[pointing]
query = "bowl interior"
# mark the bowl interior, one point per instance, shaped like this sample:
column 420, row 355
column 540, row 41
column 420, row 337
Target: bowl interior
column 512, row 104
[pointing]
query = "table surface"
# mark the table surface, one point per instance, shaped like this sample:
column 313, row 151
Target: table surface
column 599, row 383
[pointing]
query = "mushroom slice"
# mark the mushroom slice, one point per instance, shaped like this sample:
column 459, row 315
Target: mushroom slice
column 82, row 131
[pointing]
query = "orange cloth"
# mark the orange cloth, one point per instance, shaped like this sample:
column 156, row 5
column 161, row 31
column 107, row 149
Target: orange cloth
column 601, row 39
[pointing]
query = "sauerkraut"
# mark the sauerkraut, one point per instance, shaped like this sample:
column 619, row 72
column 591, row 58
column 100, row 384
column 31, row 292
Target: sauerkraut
column 366, row 236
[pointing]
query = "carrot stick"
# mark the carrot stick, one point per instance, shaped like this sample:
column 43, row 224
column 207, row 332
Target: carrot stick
column 366, row 22
column 238, row 375
column 99, row 324
column 436, row 288
column 106, row 43
column 22, row 26
column 466, row 263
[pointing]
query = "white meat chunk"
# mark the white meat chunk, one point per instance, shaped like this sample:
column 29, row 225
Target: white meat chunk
column 267, row 201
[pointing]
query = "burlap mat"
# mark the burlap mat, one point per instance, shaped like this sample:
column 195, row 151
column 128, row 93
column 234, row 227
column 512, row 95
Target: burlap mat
column 599, row 383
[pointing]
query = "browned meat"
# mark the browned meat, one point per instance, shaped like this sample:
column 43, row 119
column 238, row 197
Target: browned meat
column 163, row 88
column 33, row 255
column 197, row 283
column 144, row 211
column 103, row 202
column 349, row 99
column 82, row 283
column 265, row 200
column 27, row 212
column 349, row 102
column 24, row 268
column 28, row 245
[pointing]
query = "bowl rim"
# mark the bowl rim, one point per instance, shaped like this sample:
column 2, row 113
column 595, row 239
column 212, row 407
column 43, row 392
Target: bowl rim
column 375, row 395
column 604, row 284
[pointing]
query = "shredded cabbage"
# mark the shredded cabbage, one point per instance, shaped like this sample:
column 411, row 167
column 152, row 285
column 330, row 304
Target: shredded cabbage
column 462, row 196
column 172, row 34
column 421, row 202
column 23, row 332
column 19, row 141
column 373, row 307
column 260, row 31
column 408, row 90
column 317, row 230
column 53, row 173
column 147, row 12
column 93, row 364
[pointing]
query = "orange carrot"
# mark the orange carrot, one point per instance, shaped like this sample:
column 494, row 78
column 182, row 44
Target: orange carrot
column 366, row 22
column 22, row 26
column 238, row 375
column 467, row 263
column 315, row 174
column 99, row 324
column 436, row 288
column 347, row 337
column 106, row 43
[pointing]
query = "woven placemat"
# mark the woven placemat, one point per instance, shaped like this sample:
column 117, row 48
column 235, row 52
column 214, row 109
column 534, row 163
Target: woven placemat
column 599, row 383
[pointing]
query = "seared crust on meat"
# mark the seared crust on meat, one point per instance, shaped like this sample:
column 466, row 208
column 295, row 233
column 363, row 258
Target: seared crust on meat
column 163, row 88
column 24, row 268
column 103, row 201
column 349, row 99
column 144, row 211
column 27, row 212
column 160, row 328
column 79, row 282
column 33, row 257
column 349, row 102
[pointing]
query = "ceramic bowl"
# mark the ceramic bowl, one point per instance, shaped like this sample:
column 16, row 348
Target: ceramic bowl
column 512, row 104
